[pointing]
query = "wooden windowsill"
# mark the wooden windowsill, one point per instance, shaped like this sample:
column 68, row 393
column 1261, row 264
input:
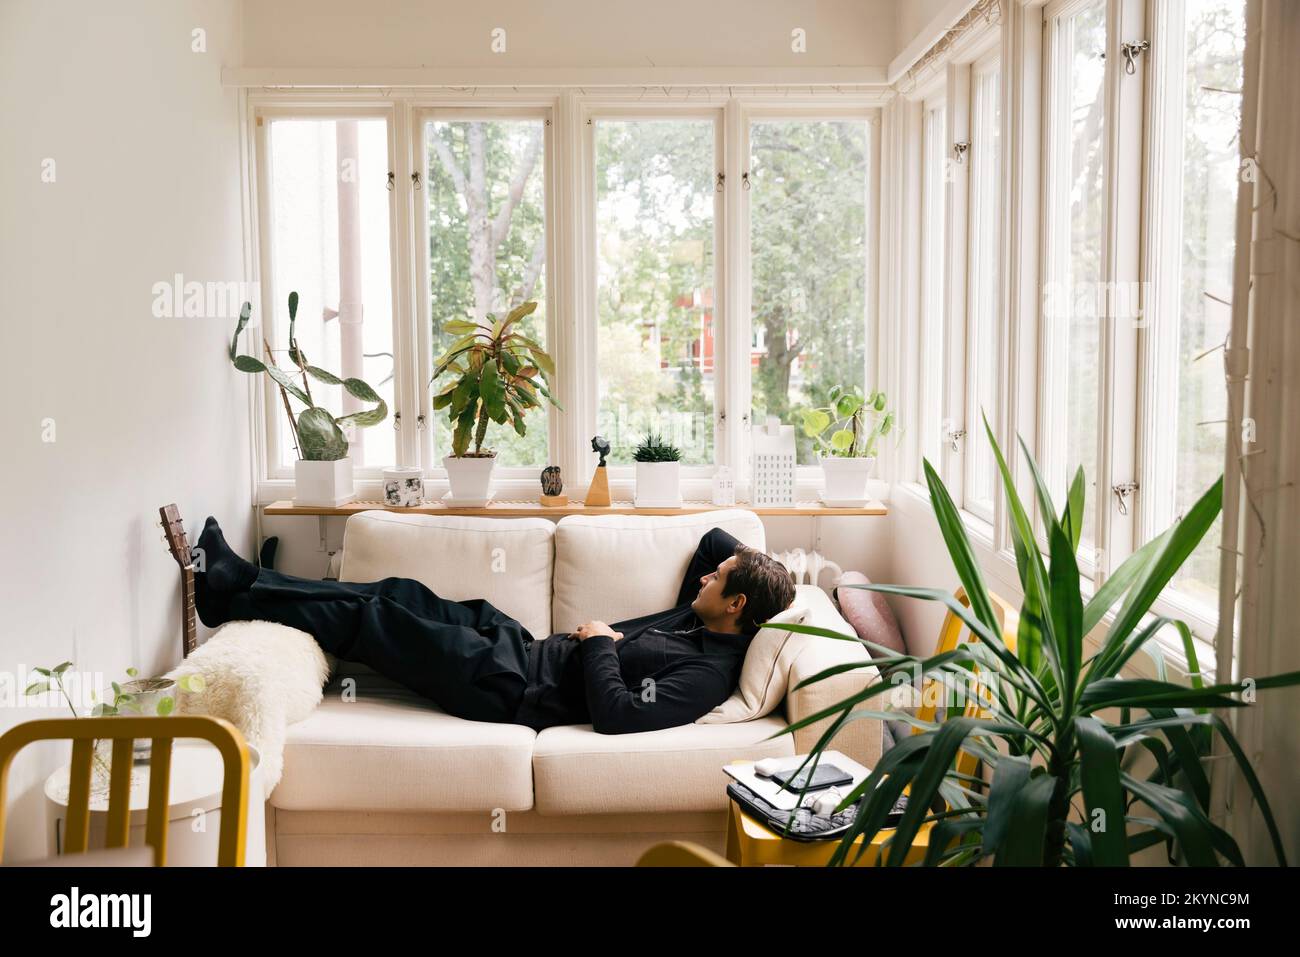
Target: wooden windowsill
column 536, row 510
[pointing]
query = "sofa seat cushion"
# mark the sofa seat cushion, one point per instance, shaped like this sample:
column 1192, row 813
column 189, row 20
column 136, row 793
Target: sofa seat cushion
column 392, row 750
column 616, row 567
column 506, row 561
column 577, row 771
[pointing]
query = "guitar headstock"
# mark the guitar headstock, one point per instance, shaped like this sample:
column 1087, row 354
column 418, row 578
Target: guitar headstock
column 174, row 534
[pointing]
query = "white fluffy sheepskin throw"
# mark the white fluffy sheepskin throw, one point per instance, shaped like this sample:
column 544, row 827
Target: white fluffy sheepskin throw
column 261, row 677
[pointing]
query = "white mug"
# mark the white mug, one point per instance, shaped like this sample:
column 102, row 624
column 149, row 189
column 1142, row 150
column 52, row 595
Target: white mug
column 404, row 486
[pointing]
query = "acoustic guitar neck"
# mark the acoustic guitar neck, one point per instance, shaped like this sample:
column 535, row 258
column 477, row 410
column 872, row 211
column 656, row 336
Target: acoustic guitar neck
column 179, row 546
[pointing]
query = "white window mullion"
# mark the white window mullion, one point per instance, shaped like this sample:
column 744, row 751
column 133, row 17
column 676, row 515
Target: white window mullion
column 575, row 329
column 1161, row 272
column 1116, row 440
column 1023, row 92
column 957, row 164
column 982, row 282
column 733, row 257
column 410, row 387
column 911, row 154
column 931, row 379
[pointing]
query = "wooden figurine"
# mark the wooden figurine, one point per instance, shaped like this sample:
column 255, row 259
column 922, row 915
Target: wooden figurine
column 552, row 486
column 598, row 491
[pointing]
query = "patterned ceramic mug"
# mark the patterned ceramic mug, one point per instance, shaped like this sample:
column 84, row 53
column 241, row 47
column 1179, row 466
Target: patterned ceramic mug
column 404, row 486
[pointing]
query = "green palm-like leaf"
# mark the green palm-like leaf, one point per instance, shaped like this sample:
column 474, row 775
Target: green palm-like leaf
column 1102, row 792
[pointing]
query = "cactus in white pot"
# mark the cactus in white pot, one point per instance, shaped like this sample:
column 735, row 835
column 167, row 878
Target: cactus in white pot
column 658, row 478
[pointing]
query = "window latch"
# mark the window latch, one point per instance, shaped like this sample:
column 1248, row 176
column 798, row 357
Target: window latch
column 391, row 177
column 722, row 179
column 419, row 422
column 955, row 436
column 959, row 151
column 1131, row 52
column 397, row 421
column 1122, row 492
column 415, row 179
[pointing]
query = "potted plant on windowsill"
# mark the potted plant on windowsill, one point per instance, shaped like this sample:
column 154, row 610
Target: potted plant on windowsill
column 846, row 431
column 499, row 375
column 658, row 466
column 323, row 471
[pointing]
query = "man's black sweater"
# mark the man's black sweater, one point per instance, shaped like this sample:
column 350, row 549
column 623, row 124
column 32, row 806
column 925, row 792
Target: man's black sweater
column 666, row 670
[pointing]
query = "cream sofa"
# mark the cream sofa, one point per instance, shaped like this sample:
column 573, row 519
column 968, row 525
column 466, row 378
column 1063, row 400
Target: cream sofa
column 379, row 775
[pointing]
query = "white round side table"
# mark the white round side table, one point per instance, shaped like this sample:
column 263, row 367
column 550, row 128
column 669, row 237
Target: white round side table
column 193, row 812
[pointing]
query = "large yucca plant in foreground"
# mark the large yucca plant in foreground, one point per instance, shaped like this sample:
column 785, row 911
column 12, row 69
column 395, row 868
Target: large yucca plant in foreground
column 1059, row 734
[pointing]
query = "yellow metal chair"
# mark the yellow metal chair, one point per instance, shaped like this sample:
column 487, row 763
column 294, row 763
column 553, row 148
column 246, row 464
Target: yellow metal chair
column 751, row 843
column 123, row 731
column 681, row 854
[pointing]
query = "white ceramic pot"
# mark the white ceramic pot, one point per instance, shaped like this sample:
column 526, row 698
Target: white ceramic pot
column 404, row 486
column 470, row 477
column 657, row 485
column 323, row 483
column 845, row 478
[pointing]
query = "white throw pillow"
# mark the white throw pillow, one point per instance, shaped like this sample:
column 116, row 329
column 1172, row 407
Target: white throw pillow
column 765, row 675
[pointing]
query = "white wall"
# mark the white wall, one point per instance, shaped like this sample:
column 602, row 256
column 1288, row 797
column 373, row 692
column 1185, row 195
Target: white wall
column 913, row 17
column 567, row 33
column 145, row 410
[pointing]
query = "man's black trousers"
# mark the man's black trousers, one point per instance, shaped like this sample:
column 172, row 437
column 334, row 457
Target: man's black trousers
column 467, row 656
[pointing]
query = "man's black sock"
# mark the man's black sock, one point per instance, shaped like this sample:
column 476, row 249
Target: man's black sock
column 223, row 570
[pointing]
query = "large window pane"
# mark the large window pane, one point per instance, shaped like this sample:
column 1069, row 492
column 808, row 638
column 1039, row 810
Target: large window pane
column 1076, row 162
column 982, row 329
column 655, row 282
column 485, row 203
column 1211, row 117
column 329, row 238
column 934, row 245
column 808, row 243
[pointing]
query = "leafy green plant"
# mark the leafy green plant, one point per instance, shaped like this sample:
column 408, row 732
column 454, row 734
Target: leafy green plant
column 318, row 434
column 124, row 701
column 654, row 449
column 854, row 422
column 1057, row 730
column 500, row 375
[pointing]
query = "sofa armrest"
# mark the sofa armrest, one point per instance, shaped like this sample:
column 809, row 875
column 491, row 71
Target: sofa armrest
column 861, row 738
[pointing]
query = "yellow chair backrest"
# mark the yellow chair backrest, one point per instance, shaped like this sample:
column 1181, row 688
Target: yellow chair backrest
column 123, row 731
column 950, row 636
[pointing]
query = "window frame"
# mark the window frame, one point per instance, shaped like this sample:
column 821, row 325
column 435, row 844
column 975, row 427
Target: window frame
column 808, row 478
column 429, row 457
column 696, row 480
column 570, row 270
column 989, row 63
column 267, row 408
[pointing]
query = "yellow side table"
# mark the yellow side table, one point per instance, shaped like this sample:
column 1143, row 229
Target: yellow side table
column 753, row 844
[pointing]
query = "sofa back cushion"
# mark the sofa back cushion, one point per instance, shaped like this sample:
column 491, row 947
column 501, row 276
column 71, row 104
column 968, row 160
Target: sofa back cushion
column 615, row 567
column 507, row 561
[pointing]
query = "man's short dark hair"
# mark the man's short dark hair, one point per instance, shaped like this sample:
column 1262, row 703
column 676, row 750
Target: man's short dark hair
column 766, row 584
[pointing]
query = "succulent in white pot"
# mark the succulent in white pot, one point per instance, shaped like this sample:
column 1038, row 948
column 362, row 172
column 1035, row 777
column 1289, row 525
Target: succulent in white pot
column 846, row 432
column 500, row 374
column 658, row 474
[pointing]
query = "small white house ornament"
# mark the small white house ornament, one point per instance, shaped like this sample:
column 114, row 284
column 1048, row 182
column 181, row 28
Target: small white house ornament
column 724, row 486
column 773, row 465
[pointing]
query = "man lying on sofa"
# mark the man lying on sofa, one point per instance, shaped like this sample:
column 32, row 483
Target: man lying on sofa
column 475, row 662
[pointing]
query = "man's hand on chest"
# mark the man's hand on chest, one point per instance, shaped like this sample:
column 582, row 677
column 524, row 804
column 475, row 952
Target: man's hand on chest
column 592, row 628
